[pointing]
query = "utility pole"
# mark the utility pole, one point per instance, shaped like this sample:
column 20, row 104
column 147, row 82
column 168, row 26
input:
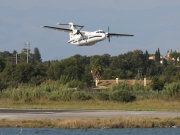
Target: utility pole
column 16, row 57
column 27, row 45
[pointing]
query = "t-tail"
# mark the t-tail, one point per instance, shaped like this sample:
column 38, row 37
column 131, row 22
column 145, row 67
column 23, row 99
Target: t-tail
column 71, row 27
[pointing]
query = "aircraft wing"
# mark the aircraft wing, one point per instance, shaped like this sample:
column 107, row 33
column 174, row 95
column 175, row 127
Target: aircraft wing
column 59, row 29
column 118, row 35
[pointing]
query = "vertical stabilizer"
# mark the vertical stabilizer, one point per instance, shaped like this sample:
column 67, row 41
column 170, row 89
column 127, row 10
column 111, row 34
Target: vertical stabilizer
column 71, row 26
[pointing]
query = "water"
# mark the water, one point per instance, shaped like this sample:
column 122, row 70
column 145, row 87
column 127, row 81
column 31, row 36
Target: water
column 53, row 131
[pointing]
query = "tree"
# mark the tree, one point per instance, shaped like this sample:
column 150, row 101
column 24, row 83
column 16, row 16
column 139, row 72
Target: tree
column 7, row 56
column 23, row 72
column 97, row 69
column 107, row 74
column 7, row 76
column 176, row 56
column 72, row 69
column 169, row 73
column 37, row 56
column 157, row 83
column 23, row 55
column 87, row 77
column 55, row 70
column 105, row 60
column 157, row 56
column 13, row 74
column 39, row 74
column 2, row 64
column 114, row 64
column 66, row 70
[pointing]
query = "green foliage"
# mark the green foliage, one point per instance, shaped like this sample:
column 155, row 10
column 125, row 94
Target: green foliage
column 119, row 73
column 66, row 70
column 65, row 95
column 76, row 84
column 22, row 73
column 75, row 72
column 176, row 56
column 120, row 86
column 173, row 90
column 55, row 71
column 107, row 74
column 157, row 83
column 2, row 64
column 37, row 56
column 2, row 86
column 97, row 69
column 102, row 95
column 81, row 96
column 176, row 78
column 157, row 56
column 137, row 87
column 87, row 78
column 151, row 94
column 122, row 96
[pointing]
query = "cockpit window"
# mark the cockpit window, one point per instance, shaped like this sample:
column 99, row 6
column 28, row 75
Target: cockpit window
column 100, row 31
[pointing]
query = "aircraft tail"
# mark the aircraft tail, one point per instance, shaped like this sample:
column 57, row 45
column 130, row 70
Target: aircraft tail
column 73, row 28
column 71, row 34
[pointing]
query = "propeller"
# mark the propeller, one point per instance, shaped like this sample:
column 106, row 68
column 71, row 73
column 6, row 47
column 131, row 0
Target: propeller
column 108, row 34
column 79, row 30
column 76, row 26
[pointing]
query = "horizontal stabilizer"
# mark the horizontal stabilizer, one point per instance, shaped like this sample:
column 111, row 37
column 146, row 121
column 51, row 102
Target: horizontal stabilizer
column 59, row 29
column 70, row 24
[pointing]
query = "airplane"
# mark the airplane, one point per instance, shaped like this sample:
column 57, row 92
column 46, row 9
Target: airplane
column 84, row 38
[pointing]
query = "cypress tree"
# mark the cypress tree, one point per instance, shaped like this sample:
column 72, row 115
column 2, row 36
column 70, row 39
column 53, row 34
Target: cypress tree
column 157, row 56
column 37, row 55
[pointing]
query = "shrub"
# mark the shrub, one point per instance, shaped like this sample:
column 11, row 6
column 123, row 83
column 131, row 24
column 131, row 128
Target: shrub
column 157, row 83
column 79, row 95
column 137, row 86
column 65, row 95
column 54, row 98
column 172, row 90
column 120, row 86
column 122, row 96
column 76, row 84
column 102, row 95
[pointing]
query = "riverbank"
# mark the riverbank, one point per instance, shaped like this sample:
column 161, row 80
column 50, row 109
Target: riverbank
column 86, row 123
column 139, row 105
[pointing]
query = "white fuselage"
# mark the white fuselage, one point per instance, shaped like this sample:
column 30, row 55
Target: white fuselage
column 84, row 38
column 88, row 38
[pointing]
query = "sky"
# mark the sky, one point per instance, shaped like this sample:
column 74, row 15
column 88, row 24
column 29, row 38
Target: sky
column 154, row 24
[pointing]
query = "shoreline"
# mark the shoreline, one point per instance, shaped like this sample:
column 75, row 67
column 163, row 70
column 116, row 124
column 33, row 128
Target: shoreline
column 99, row 123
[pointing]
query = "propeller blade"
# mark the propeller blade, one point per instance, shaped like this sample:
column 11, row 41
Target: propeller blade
column 108, row 34
column 78, row 32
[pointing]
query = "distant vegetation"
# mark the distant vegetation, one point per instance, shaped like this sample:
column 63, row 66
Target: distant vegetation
column 73, row 78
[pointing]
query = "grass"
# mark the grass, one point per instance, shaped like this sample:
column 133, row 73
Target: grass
column 55, row 95
column 39, row 98
column 139, row 105
column 94, row 123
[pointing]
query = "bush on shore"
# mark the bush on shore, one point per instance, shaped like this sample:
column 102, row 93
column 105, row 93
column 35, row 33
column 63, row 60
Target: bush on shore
column 56, row 91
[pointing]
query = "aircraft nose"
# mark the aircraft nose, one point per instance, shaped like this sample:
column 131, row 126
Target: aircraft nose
column 104, row 36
